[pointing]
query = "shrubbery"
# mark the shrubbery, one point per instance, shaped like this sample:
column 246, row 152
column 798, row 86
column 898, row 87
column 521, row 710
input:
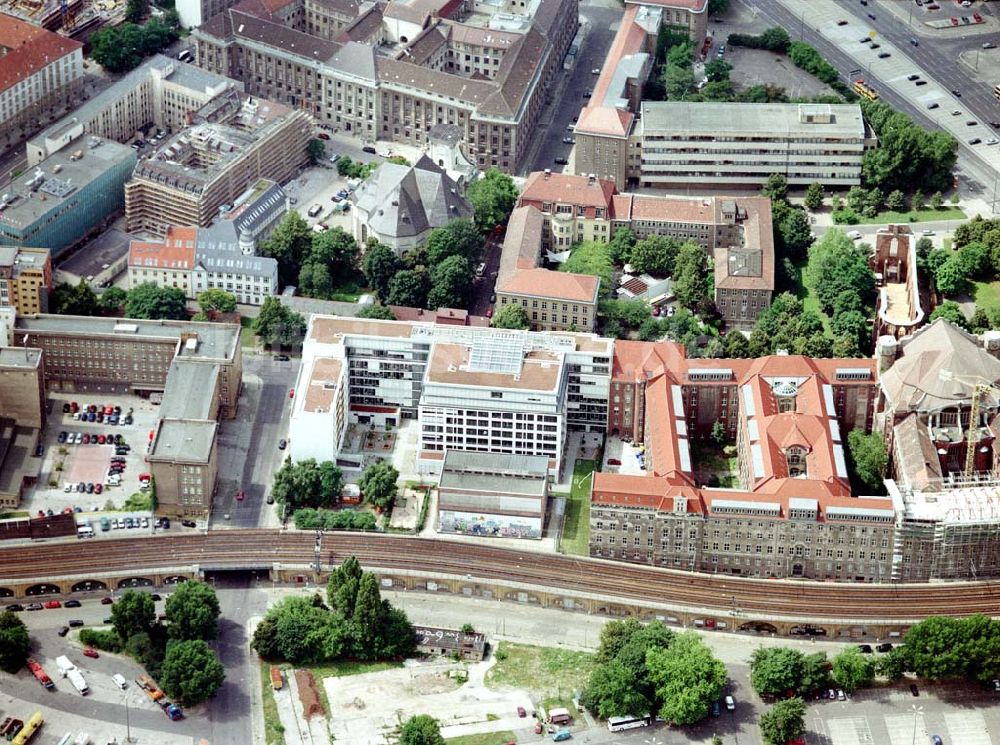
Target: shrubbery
column 109, row 641
column 333, row 519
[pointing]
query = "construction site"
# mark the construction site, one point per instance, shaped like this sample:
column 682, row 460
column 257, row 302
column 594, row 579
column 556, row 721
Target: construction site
column 74, row 19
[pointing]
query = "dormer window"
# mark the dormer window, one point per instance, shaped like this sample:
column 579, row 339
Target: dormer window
column 795, row 458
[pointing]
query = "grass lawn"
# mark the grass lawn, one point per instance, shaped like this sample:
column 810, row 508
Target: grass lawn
column 808, row 297
column 490, row 738
column 549, row 672
column 576, row 527
column 247, row 338
column 924, row 215
column 987, row 295
column 274, row 732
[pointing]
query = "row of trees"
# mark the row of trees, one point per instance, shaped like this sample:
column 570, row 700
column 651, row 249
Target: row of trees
column 316, row 486
column 177, row 655
column 146, row 300
column 354, row 622
column 437, row 274
column 122, row 48
column 321, row 519
column 649, row 668
column 869, row 202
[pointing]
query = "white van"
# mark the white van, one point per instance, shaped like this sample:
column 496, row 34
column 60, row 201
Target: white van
column 119, row 680
column 854, row 234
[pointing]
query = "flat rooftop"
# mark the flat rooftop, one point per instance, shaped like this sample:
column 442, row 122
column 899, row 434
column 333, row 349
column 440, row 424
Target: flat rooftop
column 759, row 119
column 331, row 329
column 498, row 473
column 324, row 377
column 215, row 340
column 108, row 248
column 20, row 357
column 189, row 392
column 979, row 504
column 184, row 439
column 451, row 364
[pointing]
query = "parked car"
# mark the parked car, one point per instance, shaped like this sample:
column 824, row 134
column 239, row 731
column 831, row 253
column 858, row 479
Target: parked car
column 914, row 690
column 53, row 604
column 614, row 462
column 88, row 652
column 33, row 606
column 63, row 631
column 107, row 600
column 71, row 604
column 865, row 648
column 884, row 647
column 730, row 703
column 189, row 523
column 282, row 444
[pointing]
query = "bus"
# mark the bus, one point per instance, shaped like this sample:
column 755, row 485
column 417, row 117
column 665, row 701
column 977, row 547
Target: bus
column 863, row 90
column 619, row 724
column 30, row 728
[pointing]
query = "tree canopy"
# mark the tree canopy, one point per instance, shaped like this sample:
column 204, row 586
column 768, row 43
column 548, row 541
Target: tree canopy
column 691, row 275
column 149, row 300
column 307, row 484
column 688, row 678
column 377, row 312
column 852, row 670
column 940, row 647
column 216, row 300
column 620, row 683
column 783, row 722
column 276, row 324
column 191, row 673
column 193, row 610
column 869, row 458
column 457, row 238
column 73, row 300
column 421, row 729
column 837, row 265
column 591, row 257
column 15, row 644
column 380, row 265
column 776, row 670
column 512, row 316
column 133, row 614
column 654, row 255
column 378, row 483
column 492, row 197
column 121, row 48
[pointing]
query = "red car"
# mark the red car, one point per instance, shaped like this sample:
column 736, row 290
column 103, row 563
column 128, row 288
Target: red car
column 291, row 393
column 323, row 136
column 53, row 604
column 614, row 462
column 241, row 495
column 521, row 712
column 98, row 488
column 101, row 439
column 106, row 601
column 88, row 652
column 489, row 312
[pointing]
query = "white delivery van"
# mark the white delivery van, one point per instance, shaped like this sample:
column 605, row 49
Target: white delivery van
column 119, row 680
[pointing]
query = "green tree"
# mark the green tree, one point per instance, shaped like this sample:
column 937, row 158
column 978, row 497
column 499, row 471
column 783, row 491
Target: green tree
column 719, row 436
column 691, row 275
column 776, row 187
column 951, row 312
column 896, row 201
column 73, row 300
column 136, row 10
column 265, row 639
column 149, row 300
column 815, row 674
column 591, row 257
column 852, row 670
column 307, row 484
column 368, row 617
column 836, row 265
column 718, row 6
column 315, row 281
column 917, row 200
column 316, row 151
column 15, row 644
column 717, row 70
column 409, row 287
column 492, row 197
column 421, row 729
column 191, row 672
column 688, row 678
column 935, row 648
column 814, row 196
column 376, row 312
column 336, row 249
column 193, row 610
column 112, row 299
column 276, row 324
column 784, row 721
column 331, row 480
column 655, row 254
column 621, row 244
column 451, row 284
column 379, row 266
column 677, row 81
column 134, row 613
column 937, row 199
column 869, row 457
column 289, row 244
column 737, row 345
column 378, row 484
column 775, row 670
column 216, row 300
column 620, row 684
column 792, row 231
column 908, row 157
column 613, row 692
column 890, row 666
column 511, row 316
column 342, row 587
column 955, row 199
column 457, row 238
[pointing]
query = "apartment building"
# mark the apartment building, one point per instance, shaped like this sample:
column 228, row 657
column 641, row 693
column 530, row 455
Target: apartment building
column 231, row 144
column 22, row 385
column 319, row 410
column 25, row 279
column 394, row 72
column 161, row 92
column 41, row 70
column 68, row 196
column 735, row 231
column 131, row 355
column 400, row 205
column 792, row 515
column 493, row 494
column 470, row 388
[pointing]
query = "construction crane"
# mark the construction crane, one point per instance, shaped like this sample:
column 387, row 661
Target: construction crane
column 980, row 386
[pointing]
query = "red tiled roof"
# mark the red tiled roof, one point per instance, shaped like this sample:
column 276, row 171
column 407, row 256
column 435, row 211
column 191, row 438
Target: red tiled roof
column 29, row 49
column 566, row 188
column 578, row 288
column 175, row 251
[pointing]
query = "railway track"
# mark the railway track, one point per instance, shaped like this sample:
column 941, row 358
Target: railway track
column 256, row 548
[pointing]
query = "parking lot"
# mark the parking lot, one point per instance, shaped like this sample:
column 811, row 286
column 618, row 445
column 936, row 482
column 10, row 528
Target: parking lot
column 317, row 187
column 84, row 474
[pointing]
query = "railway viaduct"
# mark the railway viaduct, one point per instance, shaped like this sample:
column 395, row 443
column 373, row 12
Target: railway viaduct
column 572, row 584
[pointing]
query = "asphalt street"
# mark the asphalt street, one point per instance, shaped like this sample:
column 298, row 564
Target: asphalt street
column 937, row 65
column 248, row 444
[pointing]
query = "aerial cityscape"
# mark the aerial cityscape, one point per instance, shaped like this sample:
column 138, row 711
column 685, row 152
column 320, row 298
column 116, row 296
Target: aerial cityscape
column 488, row 372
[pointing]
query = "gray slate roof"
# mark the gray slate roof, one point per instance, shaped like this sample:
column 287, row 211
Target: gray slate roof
column 409, row 200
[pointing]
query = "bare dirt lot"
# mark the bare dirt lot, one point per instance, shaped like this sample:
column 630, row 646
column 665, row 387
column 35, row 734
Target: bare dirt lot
column 758, row 67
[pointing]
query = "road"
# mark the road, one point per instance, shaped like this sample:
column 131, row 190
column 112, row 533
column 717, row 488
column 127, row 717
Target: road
column 568, row 97
column 483, row 287
column 710, row 595
column 248, row 444
column 978, row 175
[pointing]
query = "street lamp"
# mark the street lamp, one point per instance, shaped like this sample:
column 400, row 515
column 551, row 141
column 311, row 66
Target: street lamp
column 916, row 710
column 128, row 728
